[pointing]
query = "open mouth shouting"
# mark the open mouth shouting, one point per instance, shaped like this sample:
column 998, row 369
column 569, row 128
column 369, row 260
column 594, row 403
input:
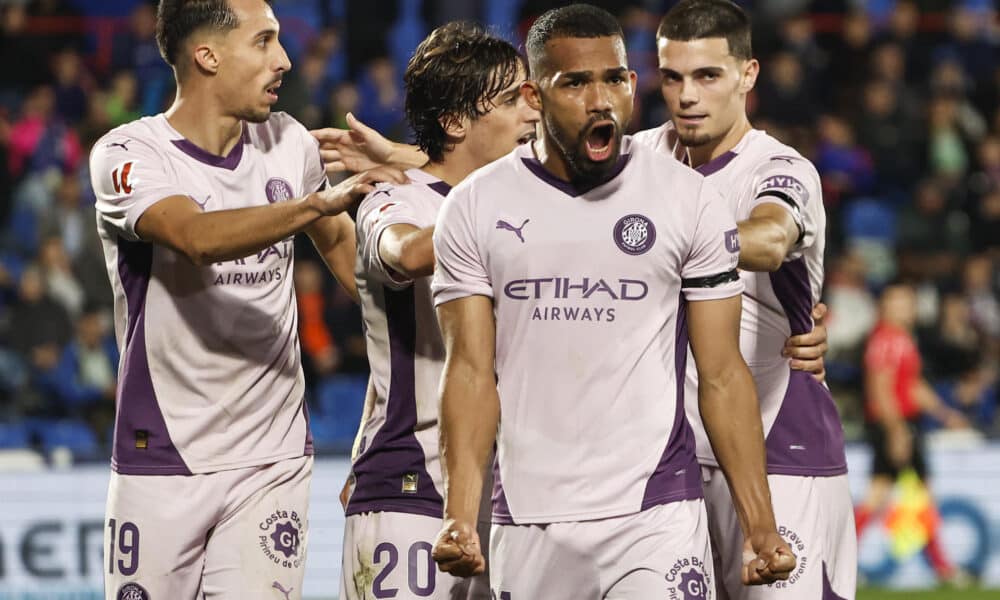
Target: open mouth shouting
column 599, row 140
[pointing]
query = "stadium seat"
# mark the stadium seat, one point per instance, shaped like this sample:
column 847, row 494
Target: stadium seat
column 73, row 435
column 341, row 396
column 13, row 435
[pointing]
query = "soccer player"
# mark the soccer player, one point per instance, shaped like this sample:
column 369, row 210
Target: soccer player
column 464, row 105
column 570, row 275
column 196, row 210
column 774, row 193
column 896, row 395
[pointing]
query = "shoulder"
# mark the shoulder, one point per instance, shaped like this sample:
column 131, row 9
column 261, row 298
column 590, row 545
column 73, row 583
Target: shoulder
column 649, row 164
column 142, row 136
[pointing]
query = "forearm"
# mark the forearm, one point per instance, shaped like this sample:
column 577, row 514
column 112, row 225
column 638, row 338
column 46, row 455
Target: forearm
column 731, row 414
column 335, row 241
column 410, row 255
column 218, row 236
column 763, row 245
column 470, row 412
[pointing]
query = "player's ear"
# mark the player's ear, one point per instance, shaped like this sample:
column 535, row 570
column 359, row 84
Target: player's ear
column 454, row 126
column 532, row 94
column 206, row 58
column 751, row 69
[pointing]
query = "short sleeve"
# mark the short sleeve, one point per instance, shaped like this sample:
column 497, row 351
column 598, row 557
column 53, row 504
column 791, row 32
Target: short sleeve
column 459, row 270
column 883, row 352
column 381, row 209
column 128, row 176
column 314, row 176
column 792, row 183
column 710, row 270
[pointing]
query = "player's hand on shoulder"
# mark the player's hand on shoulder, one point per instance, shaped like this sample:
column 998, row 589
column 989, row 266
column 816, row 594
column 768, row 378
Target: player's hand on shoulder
column 357, row 149
column 766, row 559
column 349, row 192
column 457, row 550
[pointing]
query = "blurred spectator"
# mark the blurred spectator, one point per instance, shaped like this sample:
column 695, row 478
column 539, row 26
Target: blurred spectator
column 904, row 32
column 891, row 136
column 947, row 150
column 135, row 50
column 21, row 54
column 71, row 86
column 82, row 383
column 319, row 350
column 852, row 307
column 845, row 168
column 952, row 346
column 970, row 43
column 59, row 278
column 39, row 140
column 784, row 94
column 343, row 99
column 932, row 236
column 979, row 285
column 39, row 326
column 381, row 98
column 986, row 222
column 974, row 395
column 851, row 49
column 69, row 220
column 120, row 103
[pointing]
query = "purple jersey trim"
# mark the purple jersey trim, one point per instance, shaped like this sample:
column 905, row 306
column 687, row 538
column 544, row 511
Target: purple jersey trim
column 568, row 187
column 138, row 408
column 309, row 449
column 440, row 187
column 229, row 162
column 716, row 164
column 501, row 511
column 395, row 453
column 828, row 593
column 677, row 476
column 807, row 438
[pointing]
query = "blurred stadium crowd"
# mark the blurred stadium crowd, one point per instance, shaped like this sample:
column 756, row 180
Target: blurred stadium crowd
column 896, row 101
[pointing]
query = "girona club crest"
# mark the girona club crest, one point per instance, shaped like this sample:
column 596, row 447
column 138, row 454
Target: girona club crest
column 120, row 178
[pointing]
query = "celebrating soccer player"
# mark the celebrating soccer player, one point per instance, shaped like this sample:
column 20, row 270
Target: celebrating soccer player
column 464, row 104
column 197, row 206
column 774, row 193
column 570, row 276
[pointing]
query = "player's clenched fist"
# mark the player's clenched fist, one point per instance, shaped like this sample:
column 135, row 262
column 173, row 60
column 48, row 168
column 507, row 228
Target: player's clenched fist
column 336, row 199
column 766, row 559
column 457, row 549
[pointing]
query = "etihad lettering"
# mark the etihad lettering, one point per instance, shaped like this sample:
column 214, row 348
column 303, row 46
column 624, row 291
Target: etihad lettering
column 575, row 288
column 281, row 250
column 573, row 313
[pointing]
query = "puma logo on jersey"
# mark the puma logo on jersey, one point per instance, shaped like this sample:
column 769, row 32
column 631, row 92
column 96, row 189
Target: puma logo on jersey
column 119, row 145
column 501, row 224
column 282, row 589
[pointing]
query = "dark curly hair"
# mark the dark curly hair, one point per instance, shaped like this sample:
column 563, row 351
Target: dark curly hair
column 455, row 72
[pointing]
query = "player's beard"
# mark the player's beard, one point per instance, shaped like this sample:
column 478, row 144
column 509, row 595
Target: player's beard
column 693, row 140
column 583, row 170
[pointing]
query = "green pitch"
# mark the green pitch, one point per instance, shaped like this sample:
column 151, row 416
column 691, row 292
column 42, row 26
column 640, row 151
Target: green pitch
column 942, row 594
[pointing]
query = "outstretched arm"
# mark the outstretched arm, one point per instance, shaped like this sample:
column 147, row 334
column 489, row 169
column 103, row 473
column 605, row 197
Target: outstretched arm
column 727, row 399
column 470, row 412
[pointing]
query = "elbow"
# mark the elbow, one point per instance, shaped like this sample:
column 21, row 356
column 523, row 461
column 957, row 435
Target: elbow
column 199, row 253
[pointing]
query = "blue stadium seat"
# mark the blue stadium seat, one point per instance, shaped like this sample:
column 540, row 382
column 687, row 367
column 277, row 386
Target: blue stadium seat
column 13, row 435
column 871, row 219
column 74, row 435
column 341, row 396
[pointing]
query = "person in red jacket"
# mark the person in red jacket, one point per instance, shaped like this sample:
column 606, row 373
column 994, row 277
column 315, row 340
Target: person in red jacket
column 896, row 395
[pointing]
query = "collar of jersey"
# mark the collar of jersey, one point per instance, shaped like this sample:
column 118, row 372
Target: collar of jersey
column 567, row 187
column 228, row 162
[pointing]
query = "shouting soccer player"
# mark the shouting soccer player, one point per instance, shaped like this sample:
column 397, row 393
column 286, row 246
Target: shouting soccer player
column 464, row 104
column 571, row 274
column 774, row 193
column 196, row 211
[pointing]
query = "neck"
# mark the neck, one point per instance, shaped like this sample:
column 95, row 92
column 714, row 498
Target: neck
column 197, row 116
column 549, row 155
column 716, row 148
column 455, row 166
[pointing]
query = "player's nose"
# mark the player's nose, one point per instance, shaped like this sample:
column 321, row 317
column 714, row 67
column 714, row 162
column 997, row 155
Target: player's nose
column 282, row 62
column 598, row 99
column 689, row 92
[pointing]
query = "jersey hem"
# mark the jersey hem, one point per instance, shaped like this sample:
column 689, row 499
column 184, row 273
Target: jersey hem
column 409, row 508
column 808, row 471
column 688, row 493
column 125, row 469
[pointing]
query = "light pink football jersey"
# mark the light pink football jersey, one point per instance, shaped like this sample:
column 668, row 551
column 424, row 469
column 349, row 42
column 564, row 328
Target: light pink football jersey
column 801, row 423
column 398, row 466
column 210, row 376
column 589, row 288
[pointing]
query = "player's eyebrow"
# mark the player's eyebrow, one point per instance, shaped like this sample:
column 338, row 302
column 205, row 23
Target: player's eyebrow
column 715, row 71
column 268, row 32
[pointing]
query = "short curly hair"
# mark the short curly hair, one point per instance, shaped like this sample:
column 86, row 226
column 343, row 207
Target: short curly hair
column 455, row 72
